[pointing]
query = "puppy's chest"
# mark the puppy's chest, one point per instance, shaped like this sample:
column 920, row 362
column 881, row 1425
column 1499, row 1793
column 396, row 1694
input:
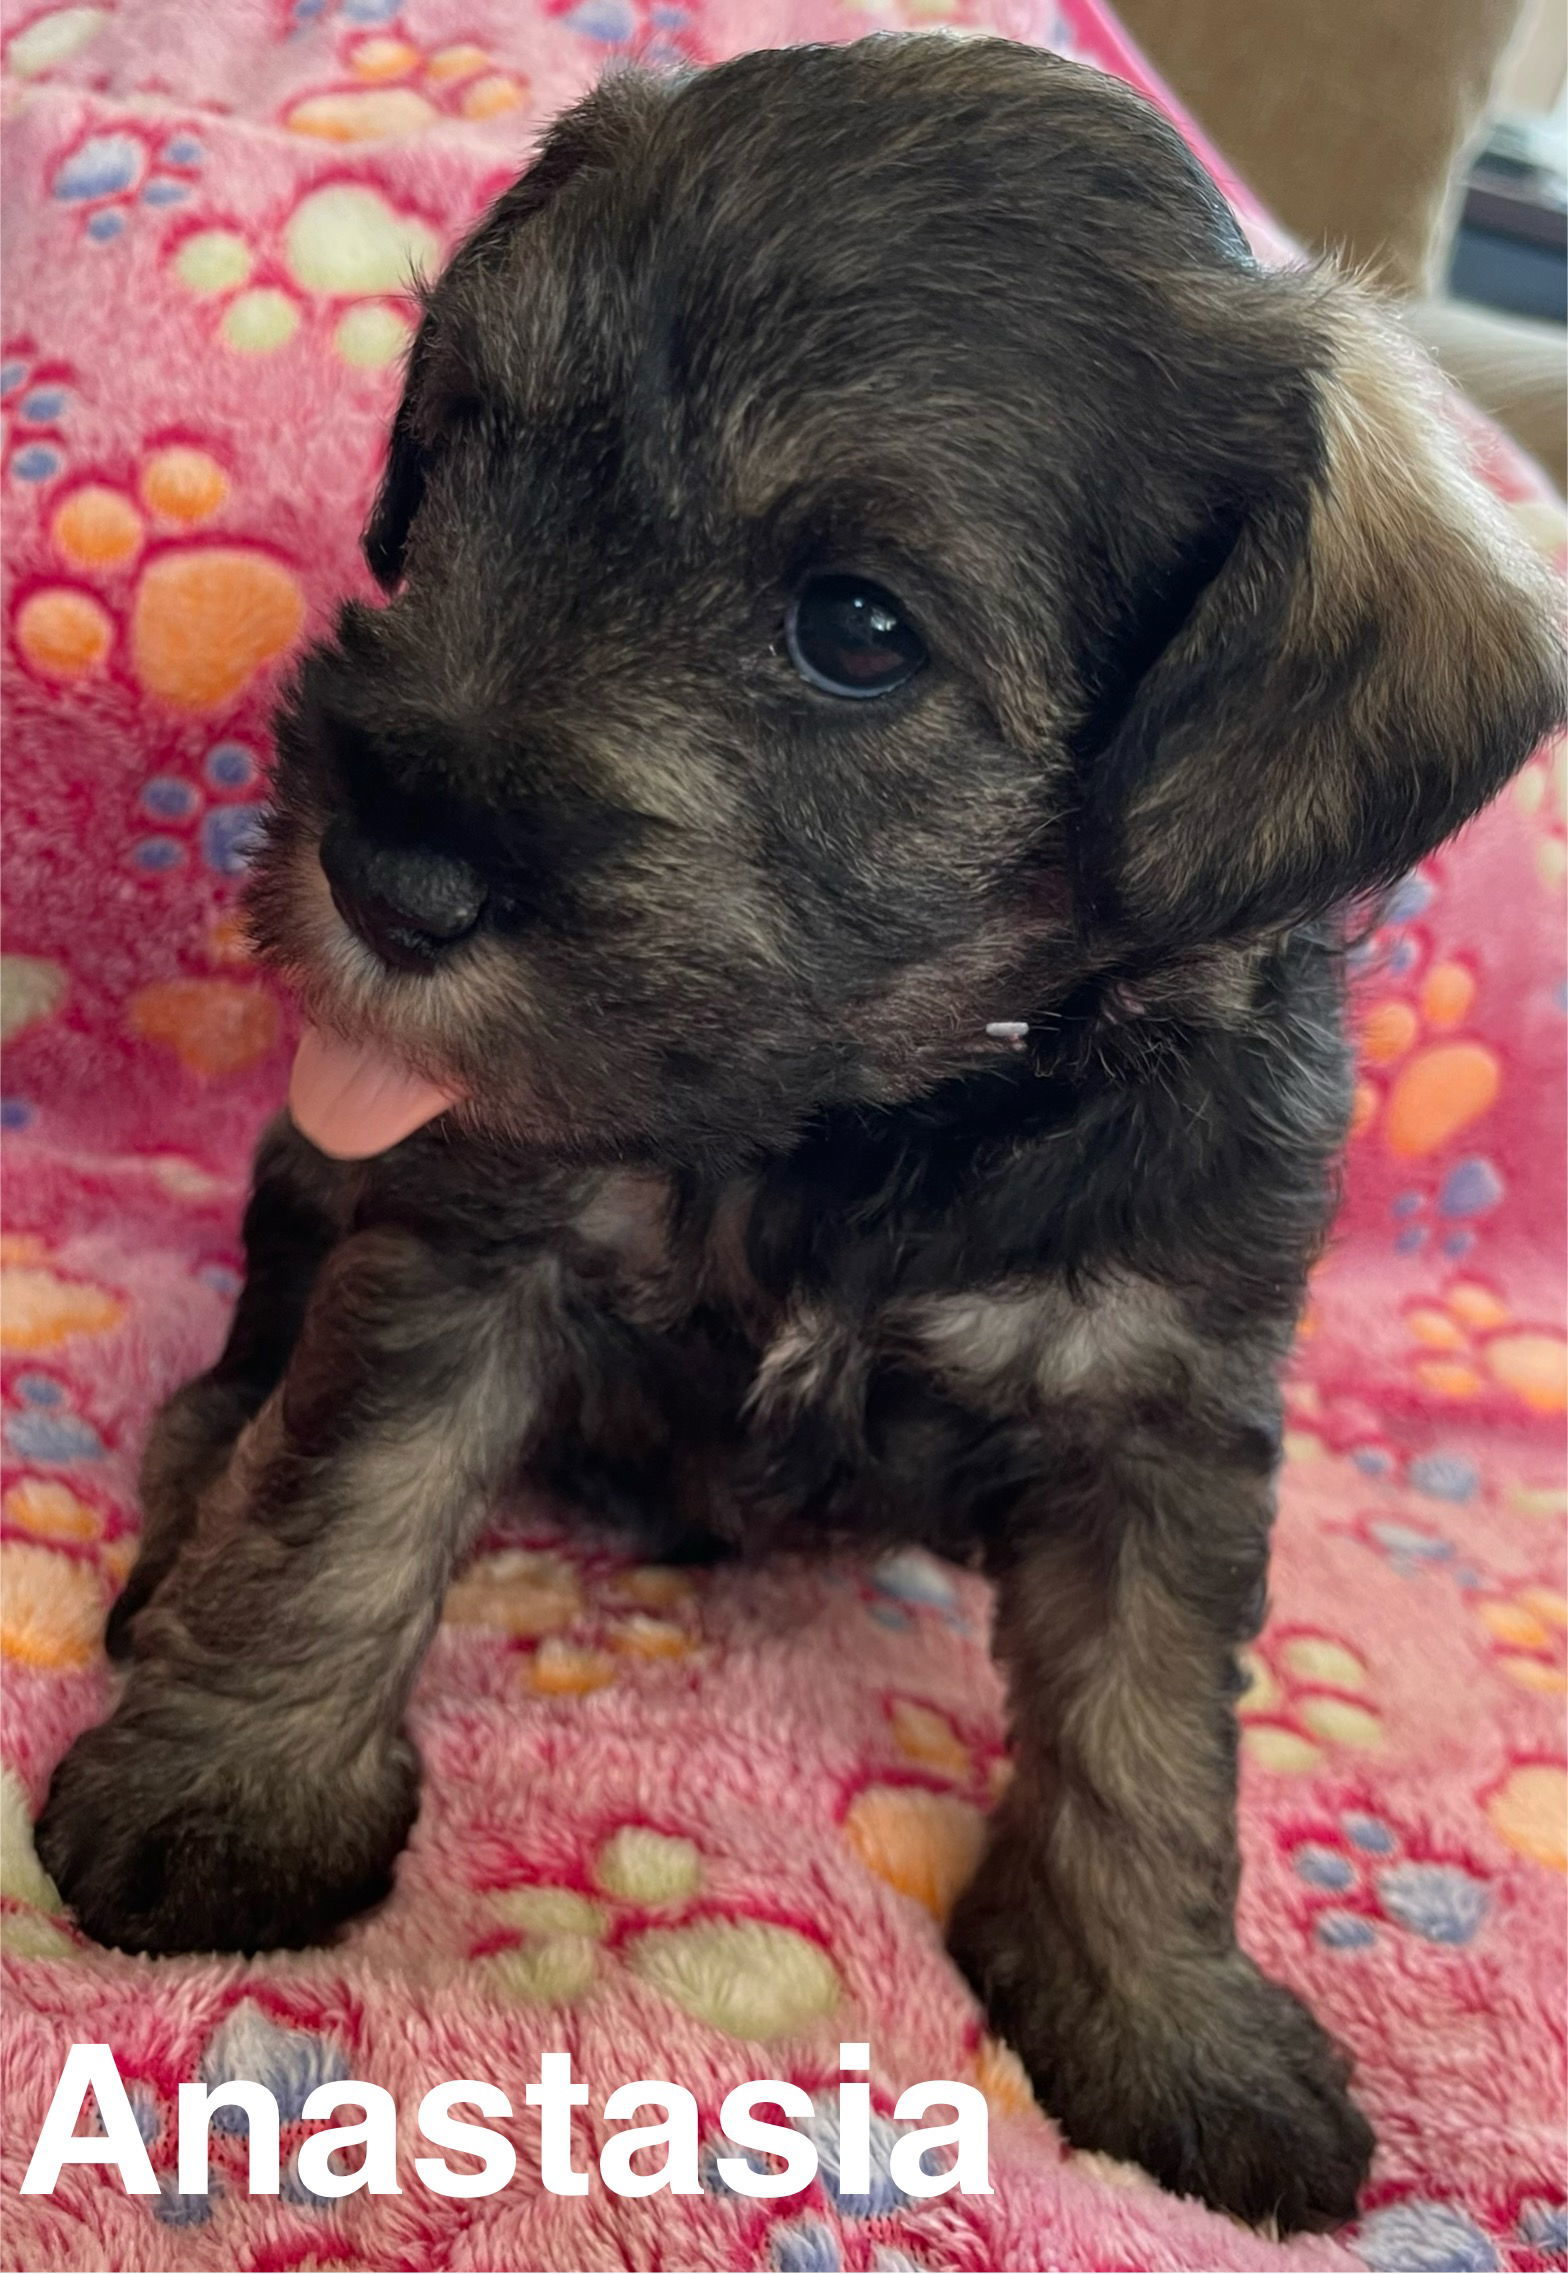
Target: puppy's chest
column 999, row 1348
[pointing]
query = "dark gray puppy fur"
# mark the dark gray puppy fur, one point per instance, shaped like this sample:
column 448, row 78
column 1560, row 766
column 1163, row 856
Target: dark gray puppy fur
column 747, row 1226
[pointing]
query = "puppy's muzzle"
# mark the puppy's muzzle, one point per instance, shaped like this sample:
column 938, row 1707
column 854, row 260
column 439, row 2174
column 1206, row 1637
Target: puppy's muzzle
column 406, row 902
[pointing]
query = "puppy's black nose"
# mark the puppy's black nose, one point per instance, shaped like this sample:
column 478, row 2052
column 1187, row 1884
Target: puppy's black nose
column 408, row 904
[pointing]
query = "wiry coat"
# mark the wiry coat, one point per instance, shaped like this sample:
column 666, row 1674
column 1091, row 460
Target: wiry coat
column 746, row 1228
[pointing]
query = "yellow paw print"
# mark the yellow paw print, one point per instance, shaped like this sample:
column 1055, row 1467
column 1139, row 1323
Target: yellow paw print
column 749, row 1977
column 342, row 243
column 398, row 88
column 190, row 625
column 1469, row 1336
column 552, row 1933
column 32, row 988
column 1529, row 1632
column 553, row 1956
column 1304, row 1691
column 1542, row 790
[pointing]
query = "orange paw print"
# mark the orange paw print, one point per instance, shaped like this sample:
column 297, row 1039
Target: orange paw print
column 189, row 625
column 1529, row 1809
column 1529, row 1632
column 51, row 1608
column 1304, row 1691
column 1420, row 1090
column 925, row 1845
column 41, row 1307
column 397, row 88
column 580, row 1628
column 1469, row 1337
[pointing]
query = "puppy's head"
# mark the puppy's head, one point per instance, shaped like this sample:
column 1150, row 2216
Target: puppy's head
column 866, row 548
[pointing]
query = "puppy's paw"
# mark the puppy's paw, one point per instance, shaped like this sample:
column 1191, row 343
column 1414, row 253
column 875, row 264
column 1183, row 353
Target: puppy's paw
column 1216, row 2080
column 160, row 1844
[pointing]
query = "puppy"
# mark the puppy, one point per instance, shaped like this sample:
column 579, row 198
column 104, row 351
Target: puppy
column 872, row 562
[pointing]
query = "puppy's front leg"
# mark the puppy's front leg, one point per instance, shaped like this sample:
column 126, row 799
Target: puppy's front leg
column 1100, row 1929
column 292, row 1220
column 254, row 1786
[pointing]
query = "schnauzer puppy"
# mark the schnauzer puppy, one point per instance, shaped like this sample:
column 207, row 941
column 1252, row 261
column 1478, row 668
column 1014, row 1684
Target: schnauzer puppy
column 820, row 902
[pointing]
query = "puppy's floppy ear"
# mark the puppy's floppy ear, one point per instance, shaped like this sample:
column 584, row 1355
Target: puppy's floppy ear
column 1367, row 666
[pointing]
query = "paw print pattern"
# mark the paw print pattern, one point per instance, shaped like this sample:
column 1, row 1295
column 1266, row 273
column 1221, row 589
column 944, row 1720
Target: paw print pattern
column 397, row 88
column 656, row 31
column 1529, row 1809
column 1305, row 1691
column 189, row 625
column 1369, row 1886
column 51, row 40
column 577, row 1626
column 303, row 14
column 1528, row 1630
column 1542, row 792
column 32, row 989
column 34, row 398
column 909, row 1583
column 224, row 830
column 548, row 1950
column 52, row 1597
column 44, row 1307
column 41, row 1428
column 1417, row 2232
column 751, row 1977
column 1424, row 1081
column 107, row 176
column 925, row 1845
column 344, row 248
column 1468, row 1337
column 249, row 2043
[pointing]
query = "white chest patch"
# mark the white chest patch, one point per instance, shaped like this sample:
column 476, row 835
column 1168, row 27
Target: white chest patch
column 1012, row 1344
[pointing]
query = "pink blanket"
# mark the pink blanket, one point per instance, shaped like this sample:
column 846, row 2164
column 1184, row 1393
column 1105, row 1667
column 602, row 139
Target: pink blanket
column 703, row 1829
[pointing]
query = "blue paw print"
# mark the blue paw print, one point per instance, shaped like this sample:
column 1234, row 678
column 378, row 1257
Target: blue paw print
column 226, row 833
column 177, row 2210
column 1409, row 1551
column 1409, row 1548
column 821, row 2128
column 911, row 1581
column 108, row 173
column 1421, row 2237
column 289, row 2062
column 1543, row 2226
column 1440, row 1902
column 34, row 405
column 1472, row 1187
column 805, row 2246
column 304, row 13
column 608, row 23
column 822, row 2131
column 44, row 1430
column 1445, row 1476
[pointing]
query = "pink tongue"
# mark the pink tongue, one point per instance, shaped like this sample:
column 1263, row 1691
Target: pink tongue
column 352, row 1101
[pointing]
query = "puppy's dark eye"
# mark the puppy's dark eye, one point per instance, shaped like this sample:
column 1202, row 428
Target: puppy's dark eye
column 849, row 637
